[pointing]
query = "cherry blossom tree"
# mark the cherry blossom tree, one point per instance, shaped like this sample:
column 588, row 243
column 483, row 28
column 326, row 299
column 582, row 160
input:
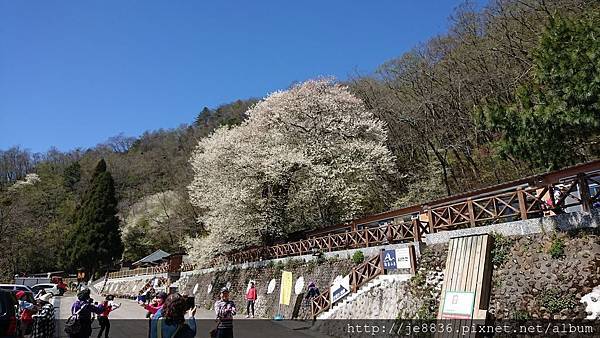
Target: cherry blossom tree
column 307, row 157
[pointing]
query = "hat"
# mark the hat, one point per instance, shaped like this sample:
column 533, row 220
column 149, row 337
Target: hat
column 224, row 290
column 45, row 298
column 20, row 294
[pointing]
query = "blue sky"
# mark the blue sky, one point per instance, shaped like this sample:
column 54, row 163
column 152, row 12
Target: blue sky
column 73, row 73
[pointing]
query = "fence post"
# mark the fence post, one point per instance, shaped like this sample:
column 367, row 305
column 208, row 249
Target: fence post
column 353, row 274
column 388, row 232
column 430, row 220
column 381, row 257
column 584, row 192
column 329, row 242
column 471, row 212
column 522, row 205
column 416, row 229
column 413, row 259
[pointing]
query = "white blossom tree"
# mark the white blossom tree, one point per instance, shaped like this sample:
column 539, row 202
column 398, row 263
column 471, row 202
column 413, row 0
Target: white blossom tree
column 307, row 157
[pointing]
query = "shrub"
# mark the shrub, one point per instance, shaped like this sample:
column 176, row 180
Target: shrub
column 557, row 247
column 521, row 315
column 358, row 257
column 501, row 248
column 554, row 301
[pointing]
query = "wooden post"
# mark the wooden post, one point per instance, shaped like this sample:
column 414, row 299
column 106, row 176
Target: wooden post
column 388, row 233
column 522, row 204
column 584, row 192
column 413, row 259
column 366, row 231
column 353, row 274
column 416, row 229
column 471, row 212
column 381, row 257
column 329, row 242
column 430, row 221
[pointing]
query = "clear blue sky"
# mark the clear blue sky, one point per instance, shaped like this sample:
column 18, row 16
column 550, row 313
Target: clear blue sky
column 73, row 73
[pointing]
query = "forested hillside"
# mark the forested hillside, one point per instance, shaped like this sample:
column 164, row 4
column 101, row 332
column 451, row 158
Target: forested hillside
column 510, row 90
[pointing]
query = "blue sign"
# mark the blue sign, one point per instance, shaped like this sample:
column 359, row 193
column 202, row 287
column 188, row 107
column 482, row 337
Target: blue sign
column 389, row 260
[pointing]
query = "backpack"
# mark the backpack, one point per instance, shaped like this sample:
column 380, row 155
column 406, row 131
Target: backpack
column 73, row 324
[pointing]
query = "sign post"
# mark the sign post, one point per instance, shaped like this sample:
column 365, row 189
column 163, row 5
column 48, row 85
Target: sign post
column 458, row 305
column 395, row 259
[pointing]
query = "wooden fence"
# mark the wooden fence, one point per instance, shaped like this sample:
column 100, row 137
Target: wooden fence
column 360, row 275
column 164, row 268
column 393, row 232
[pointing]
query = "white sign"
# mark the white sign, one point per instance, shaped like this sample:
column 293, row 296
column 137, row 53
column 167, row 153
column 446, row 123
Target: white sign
column 340, row 288
column 209, row 288
column 299, row 285
column 458, row 305
column 195, row 289
column 403, row 258
column 271, row 286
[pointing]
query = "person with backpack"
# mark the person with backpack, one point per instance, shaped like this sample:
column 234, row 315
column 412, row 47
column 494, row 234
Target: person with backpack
column 225, row 310
column 26, row 311
column 313, row 291
column 250, row 299
column 108, row 306
column 80, row 323
column 170, row 320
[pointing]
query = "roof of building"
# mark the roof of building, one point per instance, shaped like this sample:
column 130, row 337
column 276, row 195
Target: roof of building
column 154, row 257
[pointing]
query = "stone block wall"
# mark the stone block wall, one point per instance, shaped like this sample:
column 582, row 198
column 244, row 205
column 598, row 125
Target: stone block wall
column 533, row 284
column 267, row 305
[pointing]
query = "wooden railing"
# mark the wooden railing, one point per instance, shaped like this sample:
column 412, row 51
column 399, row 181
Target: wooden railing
column 520, row 204
column 360, row 275
column 164, row 268
column 394, row 232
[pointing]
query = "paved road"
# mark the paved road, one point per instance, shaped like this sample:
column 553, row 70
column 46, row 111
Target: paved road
column 129, row 322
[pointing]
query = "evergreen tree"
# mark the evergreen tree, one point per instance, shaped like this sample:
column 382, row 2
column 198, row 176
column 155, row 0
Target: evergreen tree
column 96, row 241
column 556, row 118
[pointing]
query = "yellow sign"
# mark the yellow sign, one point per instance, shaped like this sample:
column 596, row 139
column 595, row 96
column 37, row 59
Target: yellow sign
column 286, row 288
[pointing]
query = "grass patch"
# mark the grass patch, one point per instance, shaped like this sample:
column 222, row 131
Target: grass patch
column 557, row 247
column 501, row 249
column 554, row 301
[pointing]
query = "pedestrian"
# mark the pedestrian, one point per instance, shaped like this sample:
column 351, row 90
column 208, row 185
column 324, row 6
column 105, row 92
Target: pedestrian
column 224, row 310
column 156, row 304
column 83, row 308
column 313, row 291
column 26, row 311
column 43, row 321
column 39, row 294
column 250, row 299
column 107, row 307
column 170, row 319
column 141, row 297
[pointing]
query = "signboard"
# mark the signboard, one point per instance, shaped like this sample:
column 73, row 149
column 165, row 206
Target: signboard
column 286, row 288
column 271, row 286
column 340, row 288
column 299, row 286
column 458, row 305
column 396, row 259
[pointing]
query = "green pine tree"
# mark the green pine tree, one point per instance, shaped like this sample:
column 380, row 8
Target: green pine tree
column 96, row 241
column 555, row 120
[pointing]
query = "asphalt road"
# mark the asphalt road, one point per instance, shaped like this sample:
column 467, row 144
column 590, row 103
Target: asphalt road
column 129, row 321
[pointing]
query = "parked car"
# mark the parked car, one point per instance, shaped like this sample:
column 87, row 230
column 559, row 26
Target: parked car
column 17, row 287
column 48, row 287
column 8, row 315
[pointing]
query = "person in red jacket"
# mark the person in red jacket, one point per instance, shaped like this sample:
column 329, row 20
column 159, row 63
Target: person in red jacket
column 108, row 305
column 250, row 298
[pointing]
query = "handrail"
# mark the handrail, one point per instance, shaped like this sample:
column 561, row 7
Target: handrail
column 359, row 276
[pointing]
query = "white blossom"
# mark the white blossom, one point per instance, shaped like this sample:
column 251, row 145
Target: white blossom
column 307, row 157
